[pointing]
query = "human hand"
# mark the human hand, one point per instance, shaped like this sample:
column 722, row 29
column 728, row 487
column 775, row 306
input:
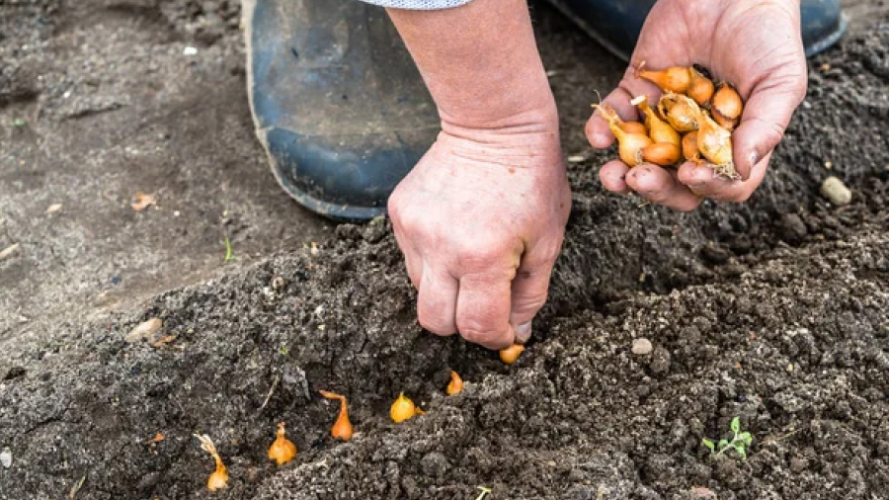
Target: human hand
column 757, row 46
column 480, row 220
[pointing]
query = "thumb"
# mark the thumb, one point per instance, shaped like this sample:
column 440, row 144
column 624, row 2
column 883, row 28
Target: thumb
column 766, row 115
column 529, row 292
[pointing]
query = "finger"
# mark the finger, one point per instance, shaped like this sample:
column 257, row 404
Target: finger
column 766, row 115
column 483, row 308
column 703, row 181
column 597, row 130
column 661, row 186
column 437, row 302
column 613, row 177
column 412, row 260
column 529, row 292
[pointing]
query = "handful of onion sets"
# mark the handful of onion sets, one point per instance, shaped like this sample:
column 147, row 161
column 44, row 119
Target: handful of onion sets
column 692, row 121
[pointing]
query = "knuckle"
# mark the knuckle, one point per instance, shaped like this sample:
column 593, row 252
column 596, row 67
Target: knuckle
column 478, row 336
column 529, row 305
column 774, row 133
column 394, row 204
column 690, row 207
column 484, row 330
column 656, row 196
column 739, row 196
column 472, row 255
column 435, row 325
column 590, row 128
column 408, row 223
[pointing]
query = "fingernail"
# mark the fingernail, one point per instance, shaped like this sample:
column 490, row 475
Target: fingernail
column 523, row 332
column 754, row 158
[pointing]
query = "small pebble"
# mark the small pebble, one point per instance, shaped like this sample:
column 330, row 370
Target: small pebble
column 6, row 252
column 660, row 361
column 793, row 229
column 6, row 458
column 576, row 158
column 189, row 51
column 836, row 191
column 143, row 330
column 641, row 347
column 434, row 464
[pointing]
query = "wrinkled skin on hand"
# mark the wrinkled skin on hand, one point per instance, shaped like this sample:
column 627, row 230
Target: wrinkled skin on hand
column 757, row 47
column 480, row 221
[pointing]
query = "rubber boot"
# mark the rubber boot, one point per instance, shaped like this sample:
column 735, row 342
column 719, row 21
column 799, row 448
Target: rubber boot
column 337, row 102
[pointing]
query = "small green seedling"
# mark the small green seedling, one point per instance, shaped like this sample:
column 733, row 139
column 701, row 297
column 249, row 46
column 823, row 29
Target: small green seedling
column 18, row 122
column 740, row 442
column 485, row 492
column 229, row 252
column 283, row 350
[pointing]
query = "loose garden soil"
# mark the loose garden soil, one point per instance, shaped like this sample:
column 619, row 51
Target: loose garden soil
column 776, row 311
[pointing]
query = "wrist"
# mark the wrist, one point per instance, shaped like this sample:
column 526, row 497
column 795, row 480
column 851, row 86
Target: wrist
column 521, row 104
column 522, row 140
column 492, row 125
column 481, row 65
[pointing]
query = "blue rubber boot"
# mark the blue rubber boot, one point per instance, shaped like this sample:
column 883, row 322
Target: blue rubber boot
column 337, row 102
column 616, row 24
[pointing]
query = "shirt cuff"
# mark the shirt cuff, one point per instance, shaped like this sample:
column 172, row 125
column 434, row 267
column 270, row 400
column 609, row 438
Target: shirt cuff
column 418, row 4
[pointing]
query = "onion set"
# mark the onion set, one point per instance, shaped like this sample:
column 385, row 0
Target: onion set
column 692, row 120
column 342, row 428
column 511, row 354
column 455, row 386
column 282, row 450
column 630, row 144
column 403, row 409
column 219, row 478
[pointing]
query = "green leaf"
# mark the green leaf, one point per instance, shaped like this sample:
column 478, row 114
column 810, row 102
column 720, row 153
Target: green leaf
column 18, row 122
column 722, row 443
column 745, row 437
column 709, row 444
column 741, row 451
column 229, row 252
column 736, row 425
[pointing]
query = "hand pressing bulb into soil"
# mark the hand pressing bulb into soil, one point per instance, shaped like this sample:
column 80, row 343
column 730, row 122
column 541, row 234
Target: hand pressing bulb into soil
column 755, row 46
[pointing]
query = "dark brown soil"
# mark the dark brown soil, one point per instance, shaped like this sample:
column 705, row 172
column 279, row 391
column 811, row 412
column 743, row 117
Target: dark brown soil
column 774, row 311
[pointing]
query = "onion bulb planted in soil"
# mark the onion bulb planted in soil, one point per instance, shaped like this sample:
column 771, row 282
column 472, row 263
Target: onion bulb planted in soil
column 282, row 450
column 511, row 354
column 403, row 409
column 342, row 428
column 455, row 386
column 219, row 478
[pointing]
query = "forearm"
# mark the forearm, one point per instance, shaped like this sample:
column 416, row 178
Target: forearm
column 481, row 65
